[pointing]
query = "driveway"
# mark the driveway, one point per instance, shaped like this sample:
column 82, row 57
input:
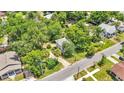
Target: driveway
column 112, row 60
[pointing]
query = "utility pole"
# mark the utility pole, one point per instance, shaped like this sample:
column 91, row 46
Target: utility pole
column 78, row 71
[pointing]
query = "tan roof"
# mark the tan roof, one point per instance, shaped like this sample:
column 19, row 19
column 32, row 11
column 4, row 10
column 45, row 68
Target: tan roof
column 118, row 69
column 9, row 61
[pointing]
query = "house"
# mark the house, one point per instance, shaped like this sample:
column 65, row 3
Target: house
column 9, row 65
column 118, row 71
column 59, row 43
column 121, row 27
column 109, row 31
column 48, row 16
column 3, row 17
column 2, row 14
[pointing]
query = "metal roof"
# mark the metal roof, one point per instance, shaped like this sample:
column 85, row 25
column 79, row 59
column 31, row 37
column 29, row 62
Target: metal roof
column 108, row 28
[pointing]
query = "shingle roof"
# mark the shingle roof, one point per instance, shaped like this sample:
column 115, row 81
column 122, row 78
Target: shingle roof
column 108, row 28
column 118, row 69
column 9, row 61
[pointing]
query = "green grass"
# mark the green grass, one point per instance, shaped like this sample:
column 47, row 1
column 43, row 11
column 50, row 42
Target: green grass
column 1, row 40
column 103, row 75
column 116, row 59
column 90, row 69
column 76, row 57
column 48, row 72
column 89, row 79
column 120, row 37
column 80, row 74
column 19, row 77
column 106, row 43
column 120, row 53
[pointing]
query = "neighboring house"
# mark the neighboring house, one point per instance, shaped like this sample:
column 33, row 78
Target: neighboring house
column 2, row 14
column 109, row 31
column 48, row 16
column 59, row 43
column 118, row 71
column 3, row 17
column 121, row 27
column 9, row 65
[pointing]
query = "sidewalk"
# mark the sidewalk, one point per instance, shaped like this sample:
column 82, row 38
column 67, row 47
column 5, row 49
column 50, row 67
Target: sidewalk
column 90, row 74
column 60, row 59
column 112, row 60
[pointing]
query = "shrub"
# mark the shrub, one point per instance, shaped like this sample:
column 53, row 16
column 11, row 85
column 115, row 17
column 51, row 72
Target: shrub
column 51, row 63
column 57, row 52
column 48, row 46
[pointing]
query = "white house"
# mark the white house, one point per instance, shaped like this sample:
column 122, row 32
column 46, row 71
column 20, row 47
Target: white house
column 59, row 43
column 109, row 31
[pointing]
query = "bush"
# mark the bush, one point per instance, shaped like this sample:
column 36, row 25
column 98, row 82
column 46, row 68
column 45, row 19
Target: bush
column 48, row 46
column 51, row 63
column 57, row 52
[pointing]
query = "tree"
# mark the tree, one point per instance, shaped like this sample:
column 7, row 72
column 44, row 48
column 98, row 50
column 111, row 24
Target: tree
column 102, row 62
column 21, row 47
column 34, row 62
column 122, row 50
column 51, row 63
column 98, row 17
column 97, row 34
column 90, row 51
column 57, row 52
column 68, row 49
column 54, row 30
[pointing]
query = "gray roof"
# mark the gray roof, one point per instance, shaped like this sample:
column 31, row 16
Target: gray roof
column 120, row 28
column 108, row 28
column 60, row 41
column 48, row 16
column 9, row 61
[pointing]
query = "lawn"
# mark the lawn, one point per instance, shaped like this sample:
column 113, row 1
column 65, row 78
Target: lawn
column 80, row 74
column 19, row 77
column 89, row 79
column 103, row 75
column 116, row 59
column 120, row 37
column 76, row 57
column 101, row 46
column 120, row 53
column 107, row 43
column 48, row 72
column 1, row 40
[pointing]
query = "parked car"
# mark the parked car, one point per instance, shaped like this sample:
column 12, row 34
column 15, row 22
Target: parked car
column 121, row 58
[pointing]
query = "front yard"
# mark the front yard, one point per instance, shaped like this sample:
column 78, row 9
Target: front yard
column 55, row 69
column 75, row 58
column 103, row 74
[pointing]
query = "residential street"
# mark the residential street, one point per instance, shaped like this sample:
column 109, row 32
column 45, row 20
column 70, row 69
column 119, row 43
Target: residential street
column 82, row 64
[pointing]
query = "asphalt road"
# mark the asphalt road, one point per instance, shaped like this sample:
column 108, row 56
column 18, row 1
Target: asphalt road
column 82, row 64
